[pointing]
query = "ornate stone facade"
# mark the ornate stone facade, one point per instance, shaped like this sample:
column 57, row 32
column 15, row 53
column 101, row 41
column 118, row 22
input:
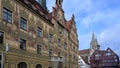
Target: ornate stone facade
column 36, row 37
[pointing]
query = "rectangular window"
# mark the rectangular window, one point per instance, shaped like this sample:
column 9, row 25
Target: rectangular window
column 65, row 45
column 50, row 52
column 58, row 54
column 59, row 42
column 38, row 49
column 39, row 31
column 1, row 37
column 23, row 23
column 22, row 44
column 116, row 60
column 108, row 54
column 50, row 37
column 7, row 15
column 0, row 57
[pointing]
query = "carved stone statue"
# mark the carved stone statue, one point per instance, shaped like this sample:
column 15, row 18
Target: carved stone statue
column 59, row 2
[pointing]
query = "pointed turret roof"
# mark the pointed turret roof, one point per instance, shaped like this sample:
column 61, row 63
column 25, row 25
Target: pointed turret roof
column 94, row 39
column 93, row 36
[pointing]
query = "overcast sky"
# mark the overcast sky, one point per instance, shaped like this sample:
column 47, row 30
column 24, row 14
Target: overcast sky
column 99, row 16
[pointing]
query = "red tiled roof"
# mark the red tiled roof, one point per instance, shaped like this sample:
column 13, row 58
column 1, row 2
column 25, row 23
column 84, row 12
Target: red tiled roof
column 49, row 16
column 86, row 51
column 38, row 9
column 68, row 24
column 85, row 59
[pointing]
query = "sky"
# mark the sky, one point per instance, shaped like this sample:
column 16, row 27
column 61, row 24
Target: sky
column 99, row 16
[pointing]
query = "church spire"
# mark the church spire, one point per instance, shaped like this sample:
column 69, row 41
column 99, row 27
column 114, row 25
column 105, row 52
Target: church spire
column 93, row 37
column 94, row 44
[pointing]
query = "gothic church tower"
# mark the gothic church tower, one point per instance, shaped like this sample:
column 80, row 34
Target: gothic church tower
column 93, row 45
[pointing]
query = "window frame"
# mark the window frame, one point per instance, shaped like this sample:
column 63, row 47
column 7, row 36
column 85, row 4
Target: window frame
column 1, row 37
column 39, row 32
column 65, row 45
column 23, row 23
column 50, row 52
column 50, row 37
column 0, row 56
column 22, row 44
column 39, row 47
column 7, row 15
column 58, row 42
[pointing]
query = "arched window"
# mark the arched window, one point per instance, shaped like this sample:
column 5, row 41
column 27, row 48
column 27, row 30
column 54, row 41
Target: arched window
column 22, row 65
column 38, row 66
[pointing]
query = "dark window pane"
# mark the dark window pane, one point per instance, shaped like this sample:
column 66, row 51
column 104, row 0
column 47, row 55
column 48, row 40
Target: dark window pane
column 50, row 37
column 0, row 57
column 1, row 37
column 39, row 49
column 65, row 45
column 38, row 66
column 39, row 31
column 22, row 44
column 9, row 19
column 23, row 23
column 50, row 52
column 59, row 42
column 7, row 15
column 22, row 65
column 4, row 16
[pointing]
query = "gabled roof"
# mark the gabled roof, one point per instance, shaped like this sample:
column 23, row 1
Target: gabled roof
column 85, row 59
column 103, row 52
column 68, row 24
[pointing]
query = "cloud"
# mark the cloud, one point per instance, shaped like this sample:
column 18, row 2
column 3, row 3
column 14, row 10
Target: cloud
column 100, row 16
column 110, row 38
column 106, row 18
